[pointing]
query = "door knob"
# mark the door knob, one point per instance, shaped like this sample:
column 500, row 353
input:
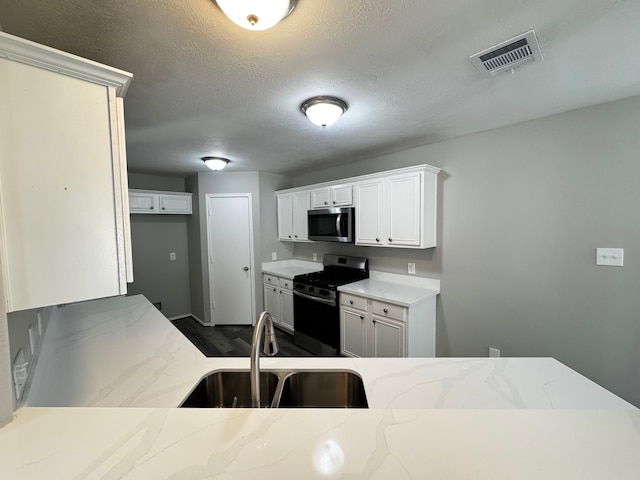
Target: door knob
column 246, row 269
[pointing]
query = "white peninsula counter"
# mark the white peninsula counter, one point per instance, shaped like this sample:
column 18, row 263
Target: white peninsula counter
column 428, row 417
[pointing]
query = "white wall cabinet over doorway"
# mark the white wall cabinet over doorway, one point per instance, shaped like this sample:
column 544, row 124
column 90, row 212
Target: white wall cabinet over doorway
column 163, row 203
column 64, row 220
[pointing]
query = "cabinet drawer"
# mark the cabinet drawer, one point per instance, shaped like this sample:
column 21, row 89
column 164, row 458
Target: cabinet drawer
column 388, row 310
column 286, row 283
column 271, row 279
column 353, row 301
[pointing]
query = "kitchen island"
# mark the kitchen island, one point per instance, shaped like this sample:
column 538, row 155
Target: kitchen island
column 428, row 417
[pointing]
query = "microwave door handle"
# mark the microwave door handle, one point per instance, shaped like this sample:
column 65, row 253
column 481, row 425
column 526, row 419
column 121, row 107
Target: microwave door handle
column 338, row 229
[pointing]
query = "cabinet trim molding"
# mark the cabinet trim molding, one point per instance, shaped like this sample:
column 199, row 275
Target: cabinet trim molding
column 31, row 53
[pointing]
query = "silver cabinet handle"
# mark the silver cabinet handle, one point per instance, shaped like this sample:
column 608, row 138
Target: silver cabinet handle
column 377, row 239
column 325, row 203
column 373, row 320
column 246, row 269
column 390, row 239
column 150, row 208
column 274, row 289
column 296, row 236
column 289, row 236
column 350, row 302
column 361, row 317
column 385, row 310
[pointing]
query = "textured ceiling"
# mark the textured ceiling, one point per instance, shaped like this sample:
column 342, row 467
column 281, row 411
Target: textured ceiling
column 203, row 86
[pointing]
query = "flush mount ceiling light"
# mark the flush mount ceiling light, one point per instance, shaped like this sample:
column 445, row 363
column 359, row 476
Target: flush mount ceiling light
column 323, row 111
column 256, row 14
column 215, row 163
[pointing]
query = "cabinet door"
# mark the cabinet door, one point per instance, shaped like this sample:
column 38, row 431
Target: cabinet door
column 387, row 338
column 300, row 209
column 286, row 309
column 320, row 198
column 285, row 217
column 63, row 236
column 142, row 202
column 404, row 219
column 369, row 213
column 271, row 301
column 342, row 195
column 174, row 203
column 353, row 333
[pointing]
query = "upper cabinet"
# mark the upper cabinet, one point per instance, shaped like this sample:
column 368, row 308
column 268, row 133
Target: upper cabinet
column 64, row 222
column 155, row 202
column 333, row 196
column 292, row 216
column 392, row 212
column 396, row 208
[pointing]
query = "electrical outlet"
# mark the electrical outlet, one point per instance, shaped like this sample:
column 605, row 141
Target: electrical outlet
column 274, row 255
column 494, row 352
column 172, row 256
column 315, row 257
column 411, row 268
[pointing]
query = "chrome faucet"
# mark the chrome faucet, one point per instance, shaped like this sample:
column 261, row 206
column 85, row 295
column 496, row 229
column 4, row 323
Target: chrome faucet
column 270, row 348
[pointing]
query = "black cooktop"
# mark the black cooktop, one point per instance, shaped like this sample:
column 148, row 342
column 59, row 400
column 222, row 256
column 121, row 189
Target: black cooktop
column 338, row 270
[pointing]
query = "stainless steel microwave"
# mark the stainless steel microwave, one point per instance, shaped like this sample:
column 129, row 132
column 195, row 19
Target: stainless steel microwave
column 332, row 224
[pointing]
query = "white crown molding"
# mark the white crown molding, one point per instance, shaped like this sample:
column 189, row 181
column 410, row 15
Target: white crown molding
column 41, row 56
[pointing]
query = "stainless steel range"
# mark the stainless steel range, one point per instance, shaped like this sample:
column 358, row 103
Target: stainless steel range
column 316, row 311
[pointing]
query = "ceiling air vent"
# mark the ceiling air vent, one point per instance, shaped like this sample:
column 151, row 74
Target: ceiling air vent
column 507, row 56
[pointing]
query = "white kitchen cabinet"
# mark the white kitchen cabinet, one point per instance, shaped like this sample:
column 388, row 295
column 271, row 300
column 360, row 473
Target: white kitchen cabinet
column 333, row 196
column 278, row 300
column 271, row 301
column 64, row 220
column 391, row 212
column 286, row 309
column 292, row 216
column 396, row 208
column 371, row 328
column 155, row 202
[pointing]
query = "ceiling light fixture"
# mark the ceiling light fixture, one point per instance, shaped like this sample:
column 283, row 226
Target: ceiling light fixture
column 256, row 14
column 323, row 111
column 215, row 163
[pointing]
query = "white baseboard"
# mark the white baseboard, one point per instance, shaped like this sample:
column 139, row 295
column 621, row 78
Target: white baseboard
column 189, row 315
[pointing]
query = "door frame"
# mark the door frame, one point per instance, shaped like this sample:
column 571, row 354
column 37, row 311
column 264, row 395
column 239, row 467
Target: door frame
column 252, row 275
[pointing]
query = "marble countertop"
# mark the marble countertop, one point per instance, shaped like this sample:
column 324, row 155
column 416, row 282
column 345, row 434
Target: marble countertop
column 122, row 352
column 290, row 268
column 402, row 290
column 457, row 418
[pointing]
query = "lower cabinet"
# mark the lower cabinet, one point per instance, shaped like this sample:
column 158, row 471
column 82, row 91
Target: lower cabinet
column 278, row 300
column 370, row 328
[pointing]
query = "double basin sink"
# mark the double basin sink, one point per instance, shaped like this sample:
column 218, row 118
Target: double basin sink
column 280, row 389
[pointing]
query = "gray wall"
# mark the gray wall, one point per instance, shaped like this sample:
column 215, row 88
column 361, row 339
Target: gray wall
column 521, row 212
column 262, row 187
column 153, row 238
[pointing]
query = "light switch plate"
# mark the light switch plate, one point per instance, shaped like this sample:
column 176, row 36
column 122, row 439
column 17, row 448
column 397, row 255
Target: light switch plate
column 172, row 256
column 411, row 268
column 274, row 255
column 610, row 256
column 315, row 257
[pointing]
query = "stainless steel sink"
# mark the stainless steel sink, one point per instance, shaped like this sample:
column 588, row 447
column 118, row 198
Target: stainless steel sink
column 280, row 389
column 323, row 389
column 229, row 389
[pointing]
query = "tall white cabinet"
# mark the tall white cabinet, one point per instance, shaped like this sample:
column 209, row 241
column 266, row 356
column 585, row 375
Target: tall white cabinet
column 64, row 222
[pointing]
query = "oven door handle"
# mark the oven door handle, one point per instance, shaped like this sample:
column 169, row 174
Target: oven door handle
column 331, row 303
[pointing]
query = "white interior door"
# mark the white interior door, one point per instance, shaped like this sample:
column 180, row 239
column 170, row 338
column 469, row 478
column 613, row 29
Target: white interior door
column 231, row 281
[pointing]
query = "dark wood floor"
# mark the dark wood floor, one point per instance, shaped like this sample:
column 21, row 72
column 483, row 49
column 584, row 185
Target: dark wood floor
column 232, row 340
